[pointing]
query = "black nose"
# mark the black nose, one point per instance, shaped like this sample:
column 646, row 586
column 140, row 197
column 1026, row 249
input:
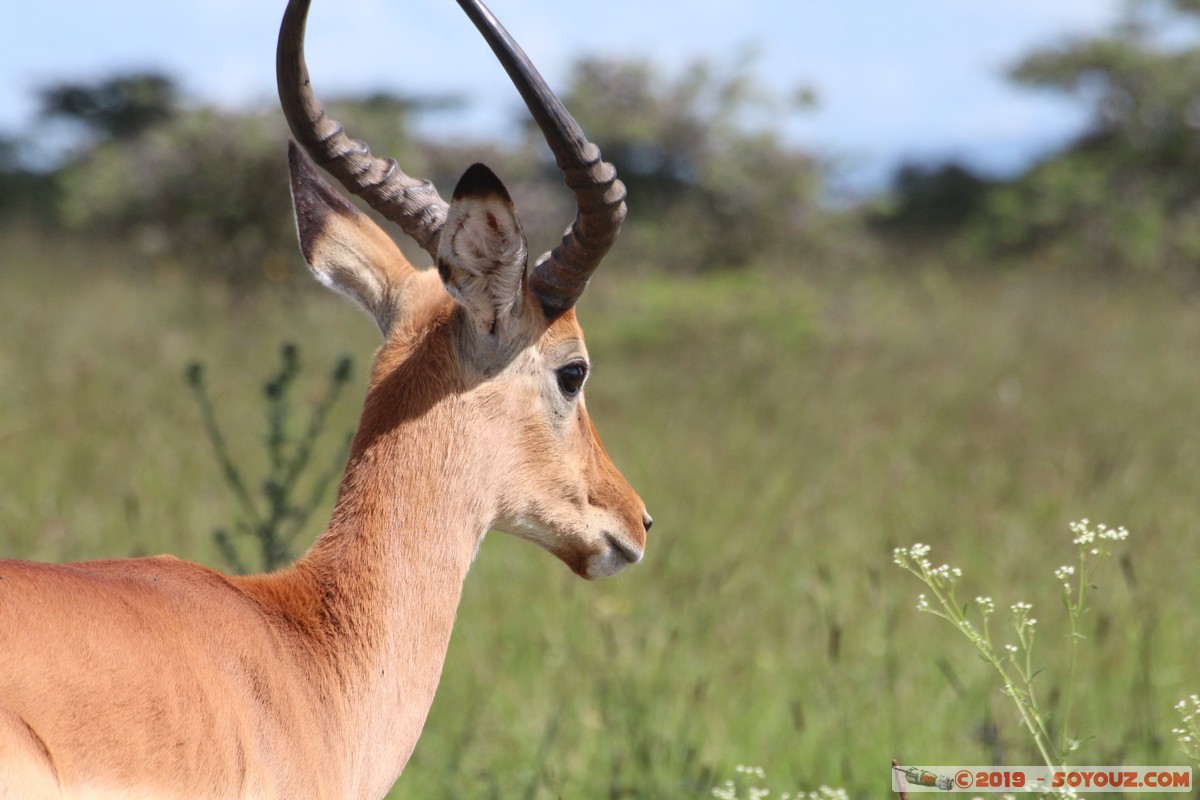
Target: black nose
column 647, row 521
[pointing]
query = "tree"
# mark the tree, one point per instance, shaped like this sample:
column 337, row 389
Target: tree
column 24, row 192
column 1126, row 192
column 117, row 107
column 207, row 189
column 711, row 179
column 931, row 201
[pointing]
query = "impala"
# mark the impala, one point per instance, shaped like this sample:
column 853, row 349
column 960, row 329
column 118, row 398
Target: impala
column 159, row 678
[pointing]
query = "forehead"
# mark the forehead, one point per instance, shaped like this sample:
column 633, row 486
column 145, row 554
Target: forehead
column 563, row 333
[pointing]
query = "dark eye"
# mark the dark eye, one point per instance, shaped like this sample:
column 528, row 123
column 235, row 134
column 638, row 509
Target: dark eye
column 570, row 378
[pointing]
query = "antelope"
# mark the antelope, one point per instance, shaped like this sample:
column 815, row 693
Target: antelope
column 161, row 678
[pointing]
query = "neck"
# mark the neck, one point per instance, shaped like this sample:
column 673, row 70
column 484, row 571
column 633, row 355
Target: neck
column 383, row 584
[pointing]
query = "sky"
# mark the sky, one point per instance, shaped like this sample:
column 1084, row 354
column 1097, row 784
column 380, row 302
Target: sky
column 895, row 79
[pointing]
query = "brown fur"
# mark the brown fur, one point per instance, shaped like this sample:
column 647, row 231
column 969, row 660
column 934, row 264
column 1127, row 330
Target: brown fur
column 157, row 677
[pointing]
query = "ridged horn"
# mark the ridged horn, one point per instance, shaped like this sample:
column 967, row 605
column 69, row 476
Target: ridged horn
column 411, row 203
column 560, row 276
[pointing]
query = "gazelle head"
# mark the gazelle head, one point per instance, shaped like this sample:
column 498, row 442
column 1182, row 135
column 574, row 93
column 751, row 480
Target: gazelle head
column 483, row 343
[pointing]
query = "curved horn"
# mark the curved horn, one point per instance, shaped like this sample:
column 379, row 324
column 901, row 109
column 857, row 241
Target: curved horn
column 560, row 276
column 411, row 203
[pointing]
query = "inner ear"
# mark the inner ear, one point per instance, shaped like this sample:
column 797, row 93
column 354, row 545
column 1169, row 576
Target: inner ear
column 482, row 254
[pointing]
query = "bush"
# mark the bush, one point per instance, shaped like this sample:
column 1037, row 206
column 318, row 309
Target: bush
column 207, row 188
column 708, row 187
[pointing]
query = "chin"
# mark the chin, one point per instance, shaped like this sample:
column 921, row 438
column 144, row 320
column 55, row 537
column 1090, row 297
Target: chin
column 604, row 565
column 611, row 560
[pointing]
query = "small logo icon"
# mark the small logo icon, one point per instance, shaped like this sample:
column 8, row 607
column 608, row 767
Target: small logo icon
column 916, row 776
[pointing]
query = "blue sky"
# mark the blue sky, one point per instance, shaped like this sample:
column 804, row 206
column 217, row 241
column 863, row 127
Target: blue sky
column 895, row 78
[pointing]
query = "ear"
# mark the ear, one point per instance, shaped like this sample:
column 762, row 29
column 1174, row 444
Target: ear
column 482, row 254
column 344, row 248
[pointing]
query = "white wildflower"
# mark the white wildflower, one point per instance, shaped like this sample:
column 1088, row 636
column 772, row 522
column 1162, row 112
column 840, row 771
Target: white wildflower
column 726, row 791
column 945, row 572
column 827, row 793
column 1113, row 534
column 1085, row 534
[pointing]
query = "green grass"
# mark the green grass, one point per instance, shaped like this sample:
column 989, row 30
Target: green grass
column 786, row 430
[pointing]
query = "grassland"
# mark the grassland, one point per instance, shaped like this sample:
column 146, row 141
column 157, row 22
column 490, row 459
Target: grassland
column 787, row 431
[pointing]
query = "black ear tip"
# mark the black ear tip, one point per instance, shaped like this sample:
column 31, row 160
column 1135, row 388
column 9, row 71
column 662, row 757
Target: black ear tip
column 296, row 157
column 311, row 193
column 301, row 167
column 479, row 181
column 313, row 199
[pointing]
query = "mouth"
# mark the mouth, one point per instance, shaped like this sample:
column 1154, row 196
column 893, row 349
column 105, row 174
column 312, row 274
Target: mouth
column 627, row 551
column 609, row 561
